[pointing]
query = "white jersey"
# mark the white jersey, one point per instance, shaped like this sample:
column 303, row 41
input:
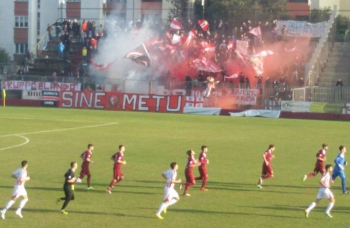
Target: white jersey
column 326, row 179
column 19, row 174
column 170, row 175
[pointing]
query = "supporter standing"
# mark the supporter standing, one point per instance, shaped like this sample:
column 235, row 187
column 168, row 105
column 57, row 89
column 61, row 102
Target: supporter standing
column 267, row 171
column 324, row 192
column 319, row 166
column 118, row 176
column 19, row 190
column 85, row 169
column 191, row 162
column 68, row 187
column 339, row 168
column 170, row 195
column 60, row 50
column 203, row 168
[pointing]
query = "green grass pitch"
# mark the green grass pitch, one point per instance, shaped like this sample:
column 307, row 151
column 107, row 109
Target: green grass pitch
column 58, row 136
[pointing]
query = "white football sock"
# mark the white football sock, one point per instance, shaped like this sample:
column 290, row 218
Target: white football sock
column 23, row 202
column 171, row 202
column 161, row 208
column 312, row 205
column 330, row 206
column 8, row 205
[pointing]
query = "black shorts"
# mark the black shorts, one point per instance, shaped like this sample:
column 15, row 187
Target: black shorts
column 68, row 191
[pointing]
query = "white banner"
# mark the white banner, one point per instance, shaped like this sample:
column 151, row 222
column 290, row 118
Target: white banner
column 262, row 113
column 296, row 106
column 301, row 28
column 30, row 85
column 31, row 95
column 246, row 96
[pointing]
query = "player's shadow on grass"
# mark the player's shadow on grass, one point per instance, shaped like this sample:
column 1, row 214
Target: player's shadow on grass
column 229, row 213
column 115, row 190
column 85, row 212
column 37, row 188
column 234, row 184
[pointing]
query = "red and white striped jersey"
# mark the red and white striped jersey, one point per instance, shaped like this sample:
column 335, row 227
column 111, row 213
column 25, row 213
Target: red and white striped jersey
column 19, row 174
column 326, row 180
column 170, row 175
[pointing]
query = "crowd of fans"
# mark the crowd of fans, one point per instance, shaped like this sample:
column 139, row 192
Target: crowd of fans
column 89, row 35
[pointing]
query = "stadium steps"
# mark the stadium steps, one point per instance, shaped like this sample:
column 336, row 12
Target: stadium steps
column 337, row 66
column 39, row 67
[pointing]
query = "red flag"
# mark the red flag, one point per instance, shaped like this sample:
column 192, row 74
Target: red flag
column 256, row 31
column 101, row 67
column 204, row 25
column 187, row 39
column 209, row 48
column 140, row 55
column 206, row 65
column 175, row 25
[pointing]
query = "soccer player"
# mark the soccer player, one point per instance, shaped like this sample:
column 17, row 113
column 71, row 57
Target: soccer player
column 21, row 176
column 319, row 166
column 170, row 195
column 68, row 187
column 118, row 176
column 267, row 171
column 324, row 192
column 191, row 162
column 85, row 170
column 339, row 168
column 203, row 168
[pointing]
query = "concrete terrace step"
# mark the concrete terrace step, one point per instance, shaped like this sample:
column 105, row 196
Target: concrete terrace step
column 341, row 44
column 340, row 54
column 342, row 64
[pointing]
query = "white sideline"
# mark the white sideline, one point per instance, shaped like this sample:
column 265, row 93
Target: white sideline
column 22, row 144
column 62, row 129
column 47, row 131
column 21, row 118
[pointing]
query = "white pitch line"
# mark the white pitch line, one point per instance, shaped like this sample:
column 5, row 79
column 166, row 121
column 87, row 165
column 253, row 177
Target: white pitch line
column 56, row 130
column 20, row 118
column 22, row 144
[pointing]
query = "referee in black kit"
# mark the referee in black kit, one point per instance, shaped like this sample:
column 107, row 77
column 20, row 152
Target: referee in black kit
column 68, row 187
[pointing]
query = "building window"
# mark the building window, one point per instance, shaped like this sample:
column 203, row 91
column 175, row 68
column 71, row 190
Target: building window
column 21, row 21
column 21, row 48
column 38, row 4
column 117, row 1
column 21, row 0
column 73, row 0
column 38, row 25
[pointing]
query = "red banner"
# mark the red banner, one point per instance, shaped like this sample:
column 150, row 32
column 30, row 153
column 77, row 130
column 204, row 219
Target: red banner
column 122, row 101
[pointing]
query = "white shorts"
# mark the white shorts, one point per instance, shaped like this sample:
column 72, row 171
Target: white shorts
column 170, row 193
column 18, row 191
column 325, row 193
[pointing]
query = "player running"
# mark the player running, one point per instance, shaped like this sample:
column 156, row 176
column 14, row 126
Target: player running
column 339, row 168
column 203, row 168
column 191, row 162
column 267, row 171
column 21, row 176
column 170, row 195
column 118, row 176
column 85, row 170
column 68, row 187
column 324, row 192
column 319, row 166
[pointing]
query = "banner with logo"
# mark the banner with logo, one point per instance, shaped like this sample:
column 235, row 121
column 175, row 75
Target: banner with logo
column 122, row 101
column 245, row 96
column 31, row 85
column 301, row 28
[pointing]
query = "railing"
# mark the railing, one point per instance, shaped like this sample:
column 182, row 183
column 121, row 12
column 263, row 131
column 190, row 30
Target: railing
column 41, row 45
column 320, row 55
